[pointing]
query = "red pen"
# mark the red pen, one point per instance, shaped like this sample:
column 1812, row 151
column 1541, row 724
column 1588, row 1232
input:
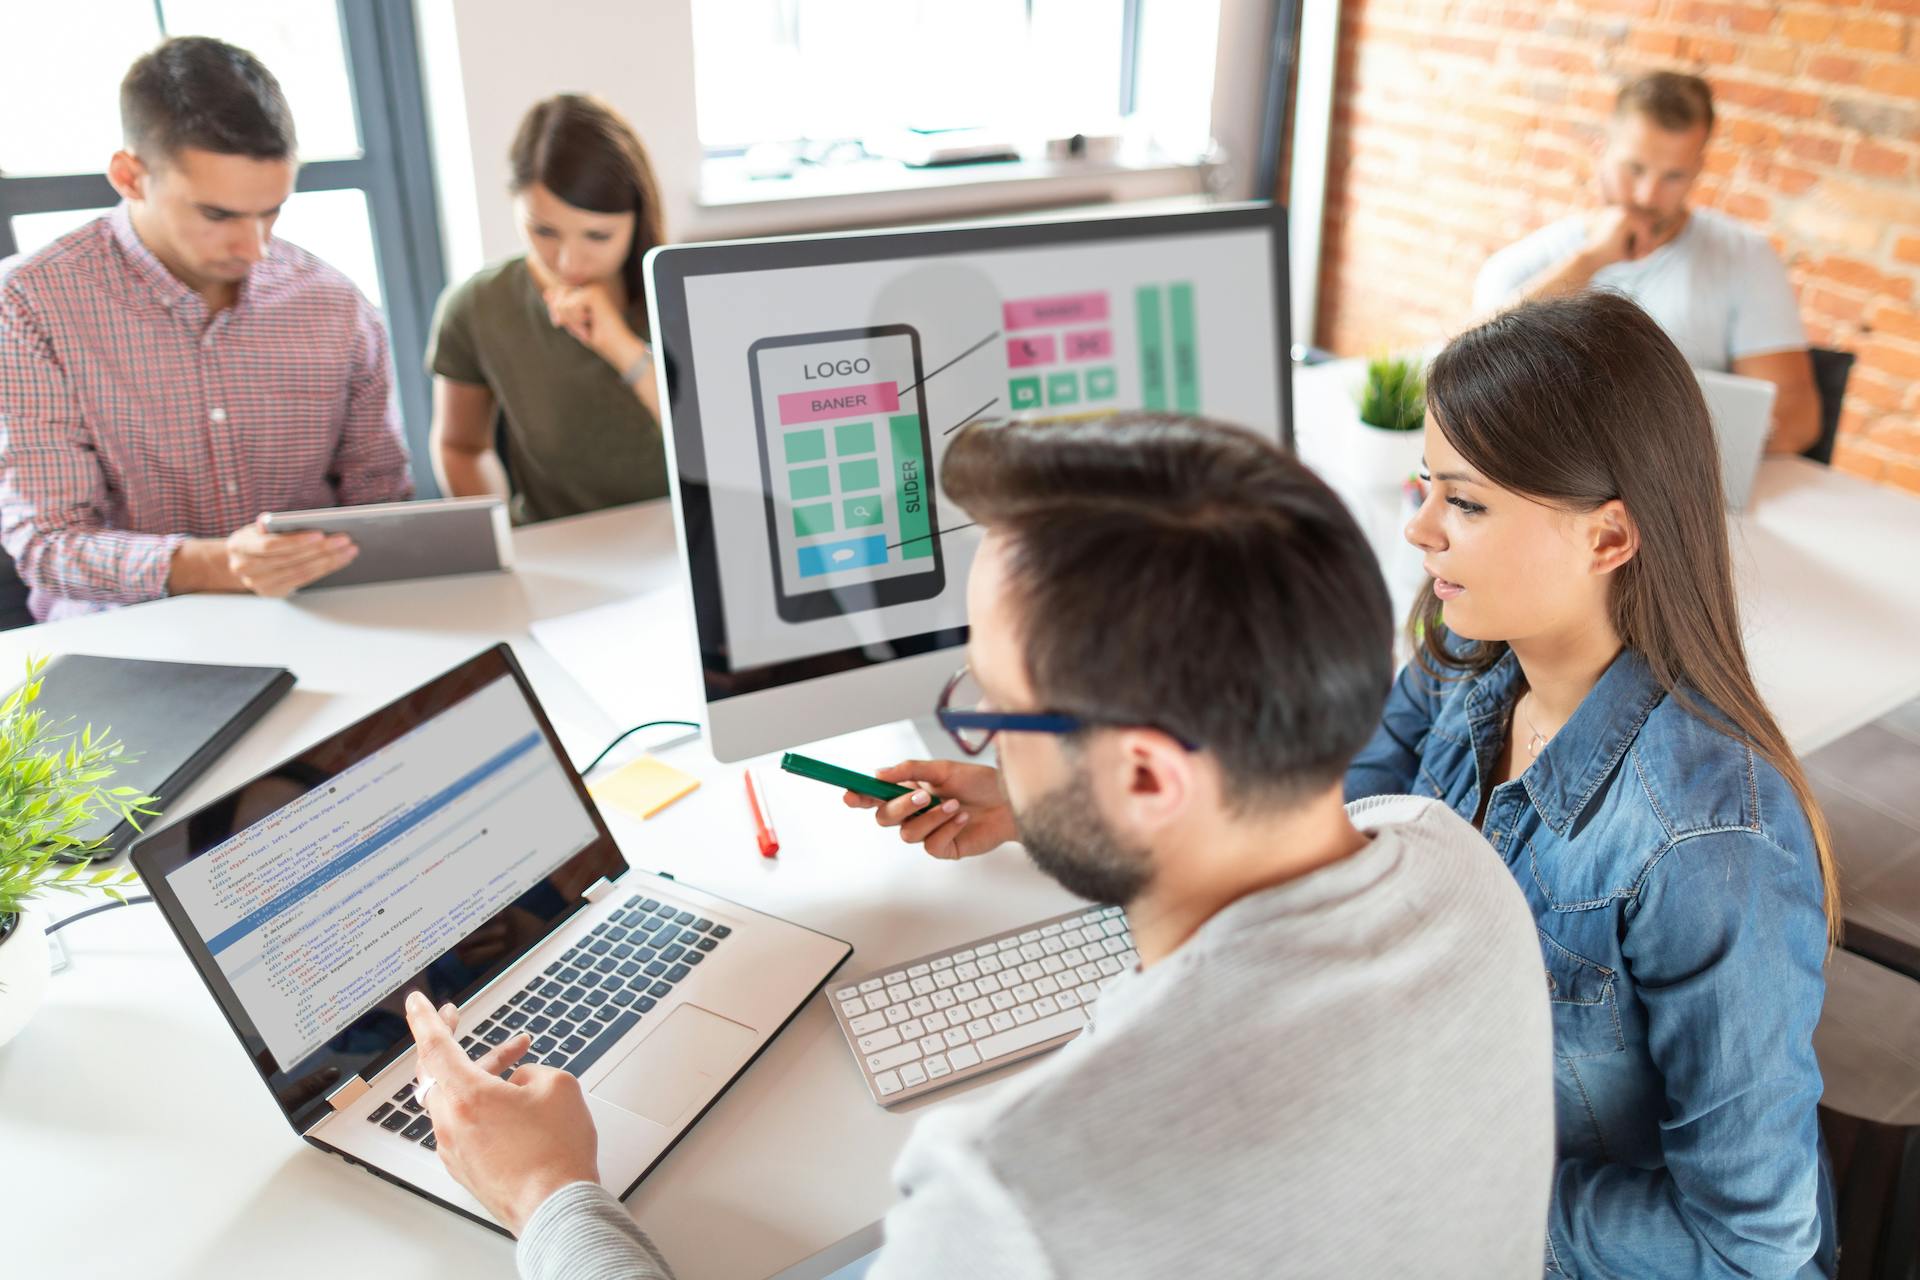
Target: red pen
column 762, row 816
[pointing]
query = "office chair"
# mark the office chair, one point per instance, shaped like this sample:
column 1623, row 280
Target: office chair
column 1868, row 1043
column 1830, row 372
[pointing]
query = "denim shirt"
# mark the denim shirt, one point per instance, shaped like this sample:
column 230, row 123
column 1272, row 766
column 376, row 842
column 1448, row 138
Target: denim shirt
column 1673, row 877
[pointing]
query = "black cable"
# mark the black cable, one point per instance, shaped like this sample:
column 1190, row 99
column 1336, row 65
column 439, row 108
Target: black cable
column 58, row 925
column 651, row 724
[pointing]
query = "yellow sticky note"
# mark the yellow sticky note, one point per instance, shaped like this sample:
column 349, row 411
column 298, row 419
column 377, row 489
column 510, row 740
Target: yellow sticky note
column 643, row 787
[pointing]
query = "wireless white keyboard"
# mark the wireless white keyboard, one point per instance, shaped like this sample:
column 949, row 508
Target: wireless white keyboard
column 956, row 1014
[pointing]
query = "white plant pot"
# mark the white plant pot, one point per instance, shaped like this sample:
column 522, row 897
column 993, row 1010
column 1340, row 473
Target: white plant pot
column 1383, row 458
column 24, row 973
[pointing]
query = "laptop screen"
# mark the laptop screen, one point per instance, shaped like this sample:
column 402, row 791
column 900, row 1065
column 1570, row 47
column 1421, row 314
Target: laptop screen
column 426, row 847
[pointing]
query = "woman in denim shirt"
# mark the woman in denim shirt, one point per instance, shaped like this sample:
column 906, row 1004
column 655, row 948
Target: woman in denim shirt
column 1581, row 693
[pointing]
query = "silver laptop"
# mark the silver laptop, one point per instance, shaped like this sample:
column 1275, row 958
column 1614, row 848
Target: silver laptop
column 444, row 844
column 1742, row 413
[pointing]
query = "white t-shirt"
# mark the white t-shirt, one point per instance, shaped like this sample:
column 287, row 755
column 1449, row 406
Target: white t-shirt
column 1717, row 288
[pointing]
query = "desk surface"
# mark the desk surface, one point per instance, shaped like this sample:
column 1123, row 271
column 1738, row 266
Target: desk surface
column 136, row 1138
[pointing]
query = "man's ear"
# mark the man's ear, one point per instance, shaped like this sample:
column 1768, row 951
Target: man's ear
column 1154, row 778
column 1612, row 536
column 128, row 173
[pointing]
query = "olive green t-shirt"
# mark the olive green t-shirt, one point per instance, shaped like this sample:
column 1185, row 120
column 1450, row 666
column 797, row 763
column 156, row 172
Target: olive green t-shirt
column 576, row 437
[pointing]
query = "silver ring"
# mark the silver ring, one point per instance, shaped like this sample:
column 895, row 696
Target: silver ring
column 421, row 1087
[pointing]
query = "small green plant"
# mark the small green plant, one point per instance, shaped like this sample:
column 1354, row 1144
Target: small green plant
column 53, row 785
column 1395, row 395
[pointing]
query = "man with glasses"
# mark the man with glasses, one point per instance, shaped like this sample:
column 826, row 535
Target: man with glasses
column 1334, row 1056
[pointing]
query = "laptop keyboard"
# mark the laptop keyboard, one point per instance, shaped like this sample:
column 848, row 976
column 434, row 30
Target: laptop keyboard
column 960, row 1013
column 585, row 1001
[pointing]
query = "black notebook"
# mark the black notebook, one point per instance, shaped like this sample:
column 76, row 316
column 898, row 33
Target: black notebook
column 174, row 718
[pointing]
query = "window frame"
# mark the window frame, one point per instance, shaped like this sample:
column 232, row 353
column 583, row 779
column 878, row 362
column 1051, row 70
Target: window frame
column 393, row 172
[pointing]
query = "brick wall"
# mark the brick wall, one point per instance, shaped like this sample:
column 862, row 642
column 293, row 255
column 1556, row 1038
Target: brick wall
column 1460, row 125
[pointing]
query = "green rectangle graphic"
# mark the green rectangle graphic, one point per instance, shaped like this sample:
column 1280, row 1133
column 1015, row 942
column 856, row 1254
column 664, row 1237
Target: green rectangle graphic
column 1186, row 351
column 1153, row 367
column 853, row 437
column 859, row 475
column 910, row 483
column 814, row 519
column 806, row 446
column 809, row 482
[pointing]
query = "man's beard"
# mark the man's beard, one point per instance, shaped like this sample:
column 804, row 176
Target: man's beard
column 1068, row 839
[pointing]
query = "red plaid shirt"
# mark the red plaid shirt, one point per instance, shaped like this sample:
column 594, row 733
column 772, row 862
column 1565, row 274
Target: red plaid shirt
column 129, row 422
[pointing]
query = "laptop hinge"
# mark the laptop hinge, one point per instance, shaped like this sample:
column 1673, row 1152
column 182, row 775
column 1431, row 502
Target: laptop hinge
column 347, row 1094
column 598, row 889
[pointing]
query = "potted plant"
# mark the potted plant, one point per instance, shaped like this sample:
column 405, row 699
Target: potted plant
column 1392, row 403
column 54, row 782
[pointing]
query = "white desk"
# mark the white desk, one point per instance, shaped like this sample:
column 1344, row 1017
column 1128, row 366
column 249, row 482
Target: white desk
column 135, row 1139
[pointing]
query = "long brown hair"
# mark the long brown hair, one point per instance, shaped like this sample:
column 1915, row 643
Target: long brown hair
column 585, row 152
column 1578, row 401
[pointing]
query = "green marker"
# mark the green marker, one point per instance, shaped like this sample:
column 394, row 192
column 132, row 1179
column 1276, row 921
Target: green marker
column 846, row 779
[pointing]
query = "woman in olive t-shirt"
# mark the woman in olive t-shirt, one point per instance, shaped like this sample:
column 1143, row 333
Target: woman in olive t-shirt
column 543, row 357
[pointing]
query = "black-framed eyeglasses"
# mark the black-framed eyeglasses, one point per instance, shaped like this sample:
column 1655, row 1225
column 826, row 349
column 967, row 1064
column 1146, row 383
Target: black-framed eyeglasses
column 973, row 728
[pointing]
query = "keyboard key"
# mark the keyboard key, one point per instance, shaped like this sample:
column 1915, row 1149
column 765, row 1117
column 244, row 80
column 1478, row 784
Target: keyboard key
column 931, row 1044
column 572, row 1044
column 687, row 938
column 623, row 997
column 602, row 1042
column 381, row 1112
column 885, row 1038
column 703, row 924
column 601, row 947
column 912, row 1073
column 628, row 969
column 936, row 1021
column 963, row 1057
column 955, row 1036
column 478, row 1052
column 616, row 935
column 538, row 1025
column 693, row 957
column 643, row 1004
column 607, row 965
column 660, row 989
column 516, row 1020
column 590, row 981
column 652, row 925
column 888, row 1059
column 516, row 997
column 706, row 944
column 673, row 953
column 685, row 917
column 1023, row 1014
column 534, row 1005
column 853, row 1007
column 866, row 1022
column 596, row 998
column 1000, row 1020
column 887, row 1083
column 870, row 985
column 572, row 994
column 645, row 955
column 554, row 1060
column 657, row 968
column 396, row 1122
column 413, row 1105
column 897, row 1013
column 601, row 927
column 545, row 1044
column 553, row 968
column 551, row 989
column 911, row 1029
column 720, row 931
column 623, row 951
column 1005, row 1042
column 419, row 1129
column 485, row 1026
column 580, row 1012
column 569, row 975
column 563, row 1028
column 936, row 1065
column 1046, row 1005
column 678, row 973
column 497, row 1036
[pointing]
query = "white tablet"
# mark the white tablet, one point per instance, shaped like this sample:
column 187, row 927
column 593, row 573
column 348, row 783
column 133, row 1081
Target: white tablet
column 400, row 540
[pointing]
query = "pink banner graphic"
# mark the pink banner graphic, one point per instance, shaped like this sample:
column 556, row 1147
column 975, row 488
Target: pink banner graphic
column 1022, row 352
column 839, row 402
column 1068, row 308
column 1089, row 344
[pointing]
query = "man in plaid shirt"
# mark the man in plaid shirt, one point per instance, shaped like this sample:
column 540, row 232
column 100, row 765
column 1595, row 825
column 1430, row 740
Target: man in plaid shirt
column 170, row 371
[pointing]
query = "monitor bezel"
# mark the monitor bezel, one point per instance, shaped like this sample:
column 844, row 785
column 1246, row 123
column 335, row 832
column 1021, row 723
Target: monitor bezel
column 669, row 267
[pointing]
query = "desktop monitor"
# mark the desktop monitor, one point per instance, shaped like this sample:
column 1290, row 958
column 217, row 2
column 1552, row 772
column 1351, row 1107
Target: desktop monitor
column 811, row 383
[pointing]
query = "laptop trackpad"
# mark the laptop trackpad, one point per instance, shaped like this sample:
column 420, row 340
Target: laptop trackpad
column 681, row 1065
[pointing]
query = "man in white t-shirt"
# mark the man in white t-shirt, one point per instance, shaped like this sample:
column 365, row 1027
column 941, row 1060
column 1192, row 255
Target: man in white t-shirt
column 1715, row 285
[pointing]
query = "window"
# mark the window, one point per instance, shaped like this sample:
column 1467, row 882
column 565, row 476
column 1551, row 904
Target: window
column 364, row 202
column 793, row 84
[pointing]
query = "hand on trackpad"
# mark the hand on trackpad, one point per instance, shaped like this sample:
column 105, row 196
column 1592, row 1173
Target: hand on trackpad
column 682, row 1064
